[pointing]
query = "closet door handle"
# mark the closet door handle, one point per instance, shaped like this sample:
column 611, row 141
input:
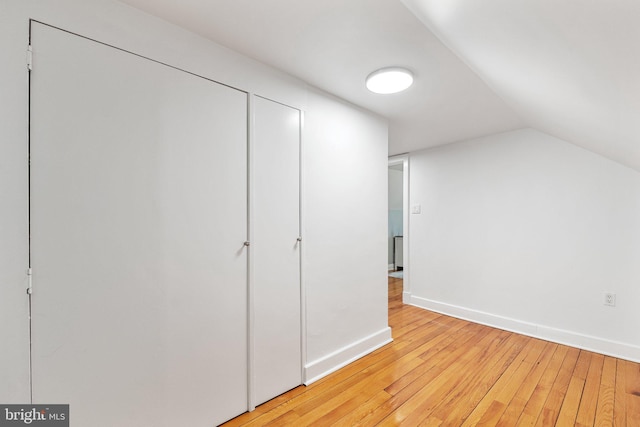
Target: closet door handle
column 299, row 239
column 247, row 243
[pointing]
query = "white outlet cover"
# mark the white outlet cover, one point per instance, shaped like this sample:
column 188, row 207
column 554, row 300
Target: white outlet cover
column 416, row 209
column 610, row 299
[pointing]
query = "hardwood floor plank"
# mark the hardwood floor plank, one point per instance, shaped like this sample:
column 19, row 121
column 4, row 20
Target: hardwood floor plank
column 632, row 373
column 414, row 323
column 358, row 385
column 541, row 392
column 462, row 397
column 525, row 390
column 286, row 419
column 459, row 336
column 569, row 409
column 387, row 407
column 436, row 364
column 459, row 404
column 551, row 409
column 243, row 419
column 633, row 410
column 500, row 394
column 419, row 406
column 571, row 403
column 363, row 410
column 606, row 396
column 443, row 371
column 336, row 408
column 589, row 402
column 436, row 356
column 620, row 397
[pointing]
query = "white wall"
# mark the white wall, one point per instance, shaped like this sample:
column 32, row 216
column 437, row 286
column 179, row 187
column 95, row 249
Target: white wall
column 526, row 232
column 344, row 160
column 345, row 219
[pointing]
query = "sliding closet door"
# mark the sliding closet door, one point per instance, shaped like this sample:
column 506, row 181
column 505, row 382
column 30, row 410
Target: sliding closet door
column 138, row 219
column 276, row 249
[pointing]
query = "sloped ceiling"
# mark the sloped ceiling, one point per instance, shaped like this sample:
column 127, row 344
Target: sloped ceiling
column 335, row 44
column 570, row 68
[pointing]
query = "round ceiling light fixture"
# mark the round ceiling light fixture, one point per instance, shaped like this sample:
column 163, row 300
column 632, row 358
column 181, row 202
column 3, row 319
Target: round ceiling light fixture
column 389, row 80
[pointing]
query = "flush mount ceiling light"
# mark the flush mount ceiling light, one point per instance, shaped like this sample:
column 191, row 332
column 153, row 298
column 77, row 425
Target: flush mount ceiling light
column 389, row 80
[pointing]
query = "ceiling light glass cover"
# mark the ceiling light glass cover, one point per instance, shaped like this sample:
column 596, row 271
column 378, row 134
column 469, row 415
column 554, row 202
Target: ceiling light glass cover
column 389, row 80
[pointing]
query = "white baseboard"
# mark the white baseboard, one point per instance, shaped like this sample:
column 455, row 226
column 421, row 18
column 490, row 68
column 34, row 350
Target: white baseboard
column 324, row 366
column 391, row 267
column 560, row 336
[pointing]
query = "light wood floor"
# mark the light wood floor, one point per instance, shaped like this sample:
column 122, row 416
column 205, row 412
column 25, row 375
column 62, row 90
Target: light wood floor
column 444, row 371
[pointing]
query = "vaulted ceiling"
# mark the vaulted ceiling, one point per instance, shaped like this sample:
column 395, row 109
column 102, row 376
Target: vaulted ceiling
column 570, row 68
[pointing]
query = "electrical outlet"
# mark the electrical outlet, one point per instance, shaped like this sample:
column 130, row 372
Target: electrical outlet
column 610, row 299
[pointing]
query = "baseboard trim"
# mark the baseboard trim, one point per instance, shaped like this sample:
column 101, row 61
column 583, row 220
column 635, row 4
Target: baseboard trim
column 324, row 366
column 391, row 267
column 560, row 336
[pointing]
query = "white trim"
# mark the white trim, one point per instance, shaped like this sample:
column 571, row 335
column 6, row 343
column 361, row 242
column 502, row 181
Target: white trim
column 547, row 333
column 251, row 375
column 391, row 267
column 303, row 288
column 406, row 218
column 347, row 354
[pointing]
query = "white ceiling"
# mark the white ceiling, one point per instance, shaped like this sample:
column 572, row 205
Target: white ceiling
column 570, row 68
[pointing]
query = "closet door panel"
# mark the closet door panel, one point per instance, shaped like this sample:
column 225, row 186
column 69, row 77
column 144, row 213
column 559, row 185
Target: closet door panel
column 276, row 249
column 138, row 217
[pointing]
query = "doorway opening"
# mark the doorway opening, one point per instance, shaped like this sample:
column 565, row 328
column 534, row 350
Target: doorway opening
column 398, row 226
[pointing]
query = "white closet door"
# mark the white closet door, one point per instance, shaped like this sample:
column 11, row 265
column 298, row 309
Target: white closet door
column 138, row 218
column 275, row 249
